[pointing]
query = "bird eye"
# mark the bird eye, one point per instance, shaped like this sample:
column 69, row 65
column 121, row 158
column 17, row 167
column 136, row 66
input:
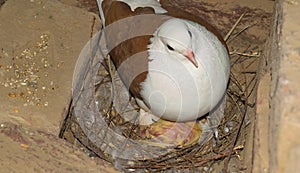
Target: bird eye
column 190, row 33
column 170, row 48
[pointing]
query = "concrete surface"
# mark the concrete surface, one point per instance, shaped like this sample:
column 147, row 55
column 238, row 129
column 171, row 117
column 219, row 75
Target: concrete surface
column 39, row 44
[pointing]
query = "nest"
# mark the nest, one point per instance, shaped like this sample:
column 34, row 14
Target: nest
column 107, row 127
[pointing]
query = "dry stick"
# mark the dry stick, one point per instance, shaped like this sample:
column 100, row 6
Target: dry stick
column 103, row 81
column 237, row 34
column 239, row 60
column 108, row 112
column 236, row 82
column 247, row 86
column 256, row 54
column 226, row 162
column 92, row 81
column 239, row 86
column 112, row 72
column 253, row 79
column 91, row 72
column 234, row 26
column 254, row 60
column 201, row 163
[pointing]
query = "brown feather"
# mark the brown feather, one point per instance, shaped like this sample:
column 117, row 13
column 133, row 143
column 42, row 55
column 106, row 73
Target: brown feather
column 135, row 72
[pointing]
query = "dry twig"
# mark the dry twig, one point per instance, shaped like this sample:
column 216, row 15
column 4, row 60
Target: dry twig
column 233, row 28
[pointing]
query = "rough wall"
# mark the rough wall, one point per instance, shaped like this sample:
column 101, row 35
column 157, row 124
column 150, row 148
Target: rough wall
column 280, row 150
column 285, row 95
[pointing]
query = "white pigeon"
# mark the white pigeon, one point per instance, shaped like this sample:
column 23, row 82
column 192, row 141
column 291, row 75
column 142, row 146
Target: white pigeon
column 187, row 62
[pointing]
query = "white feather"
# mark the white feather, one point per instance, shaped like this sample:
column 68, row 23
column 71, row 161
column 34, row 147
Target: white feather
column 174, row 88
column 145, row 3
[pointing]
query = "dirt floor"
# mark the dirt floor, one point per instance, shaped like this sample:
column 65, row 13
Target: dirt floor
column 40, row 42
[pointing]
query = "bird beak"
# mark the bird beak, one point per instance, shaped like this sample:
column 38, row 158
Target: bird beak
column 190, row 56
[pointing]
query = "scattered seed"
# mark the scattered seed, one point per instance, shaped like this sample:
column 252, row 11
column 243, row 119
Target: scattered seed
column 24, row 146
column 22, row 94
column 12, row 95
column 24, row 73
